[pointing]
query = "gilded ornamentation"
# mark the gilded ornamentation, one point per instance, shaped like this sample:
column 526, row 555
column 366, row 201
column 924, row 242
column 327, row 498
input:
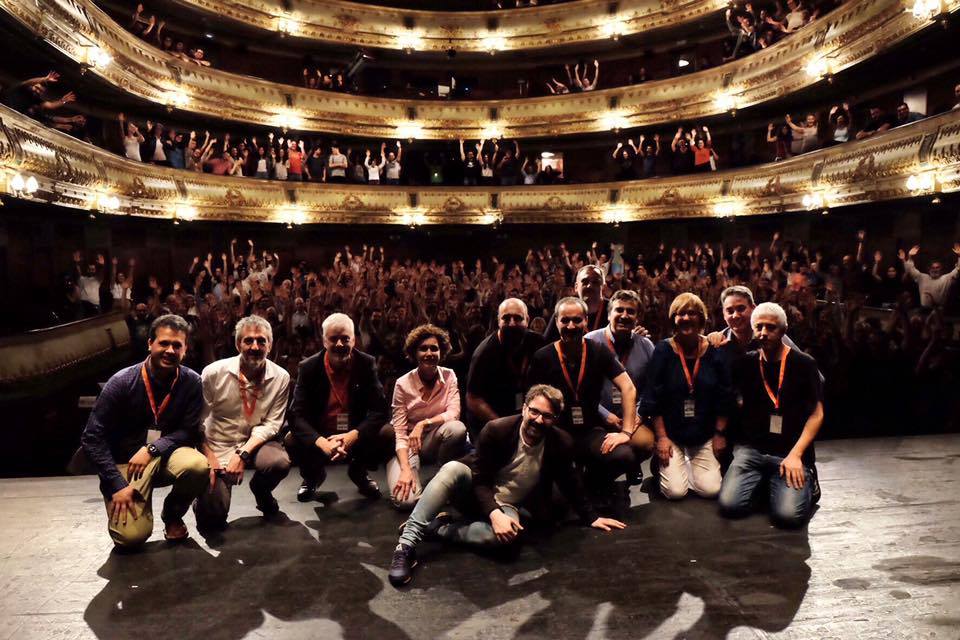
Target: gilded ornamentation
column 866, row 168
column 234, row 198
column 352, row 203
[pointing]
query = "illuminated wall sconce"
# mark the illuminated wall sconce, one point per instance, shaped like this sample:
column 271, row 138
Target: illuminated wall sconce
column 176, row 98
column 491, row 132
column 288, row 120
column 926, row 9
column 107, row 202
column 287, row 26
column 409, row 130
column 185, row 212
column 409, row 41
column 493, row 43
column 818, row 200
column 411, row 217
column 725, row 101
column 614, row 28
column 922, row 182
column 290, row 216
column 615, row 214
column 614, row 121
column 726, row 209
column 23, row 187
column 492, row 217
column 818, row 68
column 98, row 58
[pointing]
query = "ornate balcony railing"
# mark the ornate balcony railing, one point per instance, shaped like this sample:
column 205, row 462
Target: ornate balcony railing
column 845, row 37
column 917, row 159
column 364, row 25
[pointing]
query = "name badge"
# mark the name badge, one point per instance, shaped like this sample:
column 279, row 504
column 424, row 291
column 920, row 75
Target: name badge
column 576, row 415
column 343, row 422
column 518, row 401
column 153, row 435
column 776, row 423
column 616, row 396
column 689, row 408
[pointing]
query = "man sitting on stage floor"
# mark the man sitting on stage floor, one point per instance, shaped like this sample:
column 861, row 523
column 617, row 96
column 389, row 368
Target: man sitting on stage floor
column 246, row 398
column 782, row 412
column 517, row 460
column 148, row 416
column 498, row 370
column 339, row 412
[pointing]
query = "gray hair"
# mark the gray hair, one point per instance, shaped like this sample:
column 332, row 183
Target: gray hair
column 570, row 300
column 737, row 290
column 769, row 309
column 253, row 321
column 551, row 394
column 338, row 320
column 523, row 305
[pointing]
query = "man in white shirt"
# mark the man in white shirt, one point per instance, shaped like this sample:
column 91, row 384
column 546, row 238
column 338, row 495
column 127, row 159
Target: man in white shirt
column 89, row 283
column 934, row 286
column 245, row 399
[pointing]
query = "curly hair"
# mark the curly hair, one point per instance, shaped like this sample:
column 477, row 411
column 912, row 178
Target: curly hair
column 421, row 333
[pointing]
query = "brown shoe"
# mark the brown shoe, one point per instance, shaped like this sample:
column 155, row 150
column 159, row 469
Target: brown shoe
column 175, row 531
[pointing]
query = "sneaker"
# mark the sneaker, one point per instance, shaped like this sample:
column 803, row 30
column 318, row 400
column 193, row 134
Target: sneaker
column 401, row 567
column 175, row 531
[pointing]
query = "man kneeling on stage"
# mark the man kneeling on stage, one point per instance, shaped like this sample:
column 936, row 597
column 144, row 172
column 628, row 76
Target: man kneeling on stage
column 246, row 399
column 148, row 417
column 781, row 415
column 518, row 458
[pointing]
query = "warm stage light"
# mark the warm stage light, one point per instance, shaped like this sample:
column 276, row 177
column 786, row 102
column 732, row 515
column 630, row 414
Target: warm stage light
column 818, row 68
column 409, row 130
column 494, row 43
column 725, row 101
column 614, row 28
column 409, row 41
column 926, row 9
column 98, row 58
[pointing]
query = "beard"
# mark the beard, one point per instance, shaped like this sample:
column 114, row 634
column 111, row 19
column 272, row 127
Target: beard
column 571, row 335
column 512, row 335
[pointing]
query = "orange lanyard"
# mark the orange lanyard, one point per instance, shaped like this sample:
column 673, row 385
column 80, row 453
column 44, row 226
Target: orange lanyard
column 683, row 363
column 341, row 400
column 153, row 401
column 522, row 371
column 775, row 398
column 609, row 336
column 566, row 372
column 248, row 408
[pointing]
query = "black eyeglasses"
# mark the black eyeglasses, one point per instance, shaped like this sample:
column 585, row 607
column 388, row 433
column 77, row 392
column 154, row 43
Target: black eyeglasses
column 536, row 413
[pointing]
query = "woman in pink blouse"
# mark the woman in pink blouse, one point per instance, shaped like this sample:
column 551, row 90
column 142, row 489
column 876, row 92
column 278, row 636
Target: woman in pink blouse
column 426, row 415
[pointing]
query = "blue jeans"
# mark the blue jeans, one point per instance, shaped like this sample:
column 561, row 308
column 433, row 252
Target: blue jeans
column 453, row 483
column 788, row 507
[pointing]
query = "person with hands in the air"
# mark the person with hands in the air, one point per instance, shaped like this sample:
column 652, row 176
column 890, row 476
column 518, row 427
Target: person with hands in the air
column 140, row 435
column 505, row 483
column 781, row 415
column 426, row 415
column 245, row 401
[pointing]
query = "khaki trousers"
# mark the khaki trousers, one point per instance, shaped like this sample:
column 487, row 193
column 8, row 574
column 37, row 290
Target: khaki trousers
column 186, row 469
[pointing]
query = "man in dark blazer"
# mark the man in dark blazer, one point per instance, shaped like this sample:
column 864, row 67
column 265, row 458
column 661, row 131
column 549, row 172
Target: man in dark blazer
column 517, row 461
column 339, row 412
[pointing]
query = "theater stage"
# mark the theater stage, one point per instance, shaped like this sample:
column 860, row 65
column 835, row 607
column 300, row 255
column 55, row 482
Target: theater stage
column 880, row 559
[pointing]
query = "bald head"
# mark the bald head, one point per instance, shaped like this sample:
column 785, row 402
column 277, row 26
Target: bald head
column 512, row 319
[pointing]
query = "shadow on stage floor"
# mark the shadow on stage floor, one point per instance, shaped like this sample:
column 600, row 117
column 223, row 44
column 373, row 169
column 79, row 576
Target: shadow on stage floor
column 678, row 571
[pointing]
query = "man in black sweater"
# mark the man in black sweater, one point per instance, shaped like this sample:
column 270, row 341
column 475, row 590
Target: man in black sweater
column 518, row 458
column 338, row 413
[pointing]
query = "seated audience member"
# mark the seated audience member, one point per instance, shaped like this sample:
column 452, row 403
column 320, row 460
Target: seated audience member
column 934, row 286
column 339, row 412
column 589, row 287
column 511, row 474
column 246, row 399
column 878, row 123
column 781, row 415
column 579, row 369
column 497, row 379
column 426, row 414
column 141, row 433
column 634, row 352
column 688, row 396
column 905, row 116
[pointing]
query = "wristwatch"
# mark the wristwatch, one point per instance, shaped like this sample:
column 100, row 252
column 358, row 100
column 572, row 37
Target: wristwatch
column 244, row 455
column 152, row 450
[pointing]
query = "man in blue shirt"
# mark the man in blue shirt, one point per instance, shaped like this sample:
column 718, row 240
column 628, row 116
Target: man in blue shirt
column 142, row 433
column 634, row 352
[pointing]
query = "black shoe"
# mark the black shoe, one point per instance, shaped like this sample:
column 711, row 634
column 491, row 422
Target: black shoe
column 635, row 478
column 401, row 567
column 307, row 492
column 268, row 505
column 367, row 487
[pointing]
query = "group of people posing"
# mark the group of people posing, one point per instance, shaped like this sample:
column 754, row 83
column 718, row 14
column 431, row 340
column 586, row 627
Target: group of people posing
column 576, row 407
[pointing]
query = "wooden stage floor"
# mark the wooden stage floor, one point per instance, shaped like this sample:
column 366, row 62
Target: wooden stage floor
column 880, row 559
